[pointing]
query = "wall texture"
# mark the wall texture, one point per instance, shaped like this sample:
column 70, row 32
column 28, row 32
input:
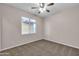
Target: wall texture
column 64, row 27
column 11, row 23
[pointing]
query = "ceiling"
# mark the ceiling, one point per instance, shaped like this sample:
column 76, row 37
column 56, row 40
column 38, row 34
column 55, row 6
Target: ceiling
column 53, row 9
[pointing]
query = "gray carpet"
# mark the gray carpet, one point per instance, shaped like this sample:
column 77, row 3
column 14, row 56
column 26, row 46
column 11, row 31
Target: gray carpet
column 41, row 48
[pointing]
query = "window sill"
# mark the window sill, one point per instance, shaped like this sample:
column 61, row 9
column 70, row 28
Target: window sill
column 28, row 33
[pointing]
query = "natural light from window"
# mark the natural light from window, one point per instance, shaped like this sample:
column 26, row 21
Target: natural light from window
column 28, row 25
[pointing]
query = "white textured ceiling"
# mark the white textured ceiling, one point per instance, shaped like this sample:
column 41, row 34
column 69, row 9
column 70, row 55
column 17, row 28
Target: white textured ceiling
column 53, row 9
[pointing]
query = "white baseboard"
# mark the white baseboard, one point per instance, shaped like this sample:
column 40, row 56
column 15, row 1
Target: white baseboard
column 37, row 40
column 64, row 44
column 18, row 45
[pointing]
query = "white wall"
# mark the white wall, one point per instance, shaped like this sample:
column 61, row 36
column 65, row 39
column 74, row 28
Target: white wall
column 11, row 34
column 63, row 27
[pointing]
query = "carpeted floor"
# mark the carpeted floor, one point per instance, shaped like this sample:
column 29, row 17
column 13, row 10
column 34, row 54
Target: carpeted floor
column 41, row 48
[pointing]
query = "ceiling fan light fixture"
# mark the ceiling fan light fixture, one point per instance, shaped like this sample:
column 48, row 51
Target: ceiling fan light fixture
column 41, row 10
column 41, row 4
column 43, row 7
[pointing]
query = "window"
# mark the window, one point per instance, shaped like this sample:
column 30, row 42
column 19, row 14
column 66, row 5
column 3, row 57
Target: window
column 28, row 25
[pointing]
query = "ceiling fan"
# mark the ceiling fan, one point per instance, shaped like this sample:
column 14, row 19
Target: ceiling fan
column 42, row 7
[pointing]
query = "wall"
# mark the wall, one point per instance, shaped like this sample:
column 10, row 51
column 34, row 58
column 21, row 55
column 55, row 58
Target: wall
column 11, row 35
column 63, row 27
column 0, row 27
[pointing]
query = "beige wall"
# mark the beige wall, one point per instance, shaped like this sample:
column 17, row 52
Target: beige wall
column 11, row 34
column 63, row 27
column 0, row 27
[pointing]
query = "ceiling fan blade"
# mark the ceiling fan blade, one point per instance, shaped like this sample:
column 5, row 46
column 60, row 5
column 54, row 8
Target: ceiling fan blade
column 50, row 4
column 34, row 7
column 39, row 12
column 48, row 10
column 42, row 6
